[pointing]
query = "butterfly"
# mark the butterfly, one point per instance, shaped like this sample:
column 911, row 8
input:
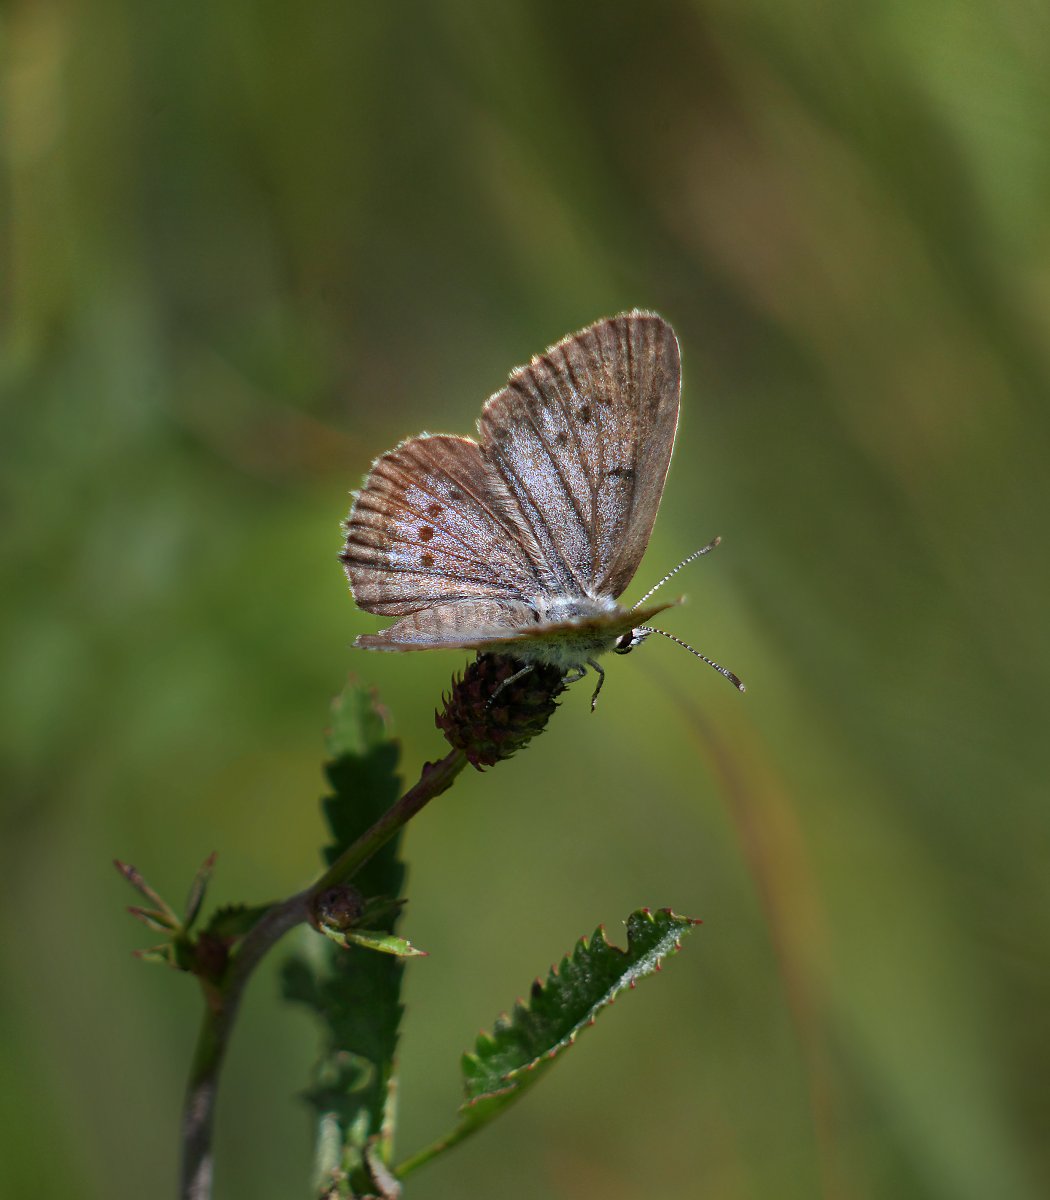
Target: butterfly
column 521, row 542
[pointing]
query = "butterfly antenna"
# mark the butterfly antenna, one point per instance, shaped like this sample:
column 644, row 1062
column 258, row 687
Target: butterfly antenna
column 685, row 645
column 684, row 563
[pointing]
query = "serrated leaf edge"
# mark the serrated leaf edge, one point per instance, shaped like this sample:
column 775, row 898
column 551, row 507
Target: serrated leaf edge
column 648, row 964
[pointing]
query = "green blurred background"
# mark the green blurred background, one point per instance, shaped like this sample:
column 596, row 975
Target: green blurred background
column 250, row 245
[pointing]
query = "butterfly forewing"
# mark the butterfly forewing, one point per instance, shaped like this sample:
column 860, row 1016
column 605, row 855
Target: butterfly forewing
column 582, row 439
column 433, row 524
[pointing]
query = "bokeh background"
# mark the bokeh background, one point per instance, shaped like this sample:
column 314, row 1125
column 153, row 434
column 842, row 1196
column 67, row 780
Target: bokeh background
column 248, row 246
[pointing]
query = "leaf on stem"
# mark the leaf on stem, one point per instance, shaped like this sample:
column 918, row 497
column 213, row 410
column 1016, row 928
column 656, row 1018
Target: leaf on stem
column 153, row 919
column 525, row 1043
column 373, row 939
column 232, row 921
column 197, row 892
column 134, row 876
column 355, row 993
column 163, row 955
column 529, row 1039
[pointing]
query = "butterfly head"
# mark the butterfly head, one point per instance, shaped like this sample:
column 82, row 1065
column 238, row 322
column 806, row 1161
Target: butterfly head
column 626, row 642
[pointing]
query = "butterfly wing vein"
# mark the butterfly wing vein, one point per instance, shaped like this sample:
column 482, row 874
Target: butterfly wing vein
column 468, row 539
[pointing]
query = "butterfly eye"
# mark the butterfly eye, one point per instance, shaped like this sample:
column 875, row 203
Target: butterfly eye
column 625, row 643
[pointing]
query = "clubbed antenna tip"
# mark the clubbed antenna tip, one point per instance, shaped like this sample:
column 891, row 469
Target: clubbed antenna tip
column 733, row 679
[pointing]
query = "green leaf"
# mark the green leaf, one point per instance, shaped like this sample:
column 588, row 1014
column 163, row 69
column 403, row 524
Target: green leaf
column 159, row 922
column 354, row 992
column 524, row 1044
column 380, row 908
column 197, row 891
column 135, row 877
column 385, row 943
column 358, row 723
column 163, row 955
column 363, row 776
column 233, row 921
column 529, row 1040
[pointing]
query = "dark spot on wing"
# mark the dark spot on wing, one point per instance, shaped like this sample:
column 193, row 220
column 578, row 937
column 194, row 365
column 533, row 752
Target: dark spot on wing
column 427, row 559
column 425, row 533
column 620, row 473
column 455, row 495
column 434, row 510
column 561, row 438
column 584, row 413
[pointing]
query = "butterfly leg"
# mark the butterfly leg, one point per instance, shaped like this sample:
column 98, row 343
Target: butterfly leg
column 601, row 679
column 575, row 676
column 507, row 682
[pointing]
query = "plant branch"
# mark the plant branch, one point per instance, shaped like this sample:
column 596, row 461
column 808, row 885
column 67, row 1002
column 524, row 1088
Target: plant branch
column 222, row 1001
column 463, row 1130
column 434, row 779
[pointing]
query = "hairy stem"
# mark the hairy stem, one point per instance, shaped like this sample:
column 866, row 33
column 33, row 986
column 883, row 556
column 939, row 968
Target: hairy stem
column 222, row 1002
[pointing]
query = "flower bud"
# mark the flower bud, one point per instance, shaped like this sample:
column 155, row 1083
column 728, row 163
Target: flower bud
column 338, row 907
column 497, row 707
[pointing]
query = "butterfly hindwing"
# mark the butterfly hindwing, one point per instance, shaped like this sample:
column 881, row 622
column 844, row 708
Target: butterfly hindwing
column 459, row 624
column 582, row 439
column 488, row 624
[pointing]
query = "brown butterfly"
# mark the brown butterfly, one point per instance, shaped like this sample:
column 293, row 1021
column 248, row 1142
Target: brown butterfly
column 520, row 543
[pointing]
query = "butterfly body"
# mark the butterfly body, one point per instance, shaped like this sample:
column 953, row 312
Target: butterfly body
column 521, row 542
column 520, row 631
column 573, row 643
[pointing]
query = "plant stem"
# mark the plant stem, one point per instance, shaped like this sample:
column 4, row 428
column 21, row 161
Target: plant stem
column 220, row 1012
column 434, row 779
column 461, row 1131
column 222, row 1003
